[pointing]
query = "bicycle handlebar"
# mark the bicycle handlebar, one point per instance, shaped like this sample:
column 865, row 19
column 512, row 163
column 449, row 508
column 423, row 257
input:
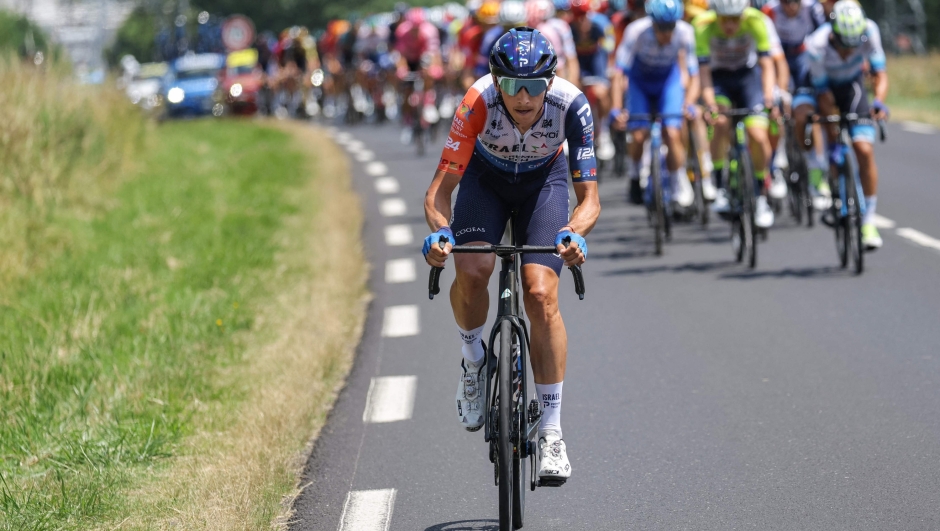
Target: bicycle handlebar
column 850, row 117
column 434, row 287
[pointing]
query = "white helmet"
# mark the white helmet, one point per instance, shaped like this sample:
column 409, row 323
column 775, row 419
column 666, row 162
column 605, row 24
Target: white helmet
column 848, row 23
column 730, row 8
column 512, row 13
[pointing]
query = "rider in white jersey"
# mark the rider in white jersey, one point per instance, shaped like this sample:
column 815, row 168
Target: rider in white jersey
column 837, row 54
column 656, row 55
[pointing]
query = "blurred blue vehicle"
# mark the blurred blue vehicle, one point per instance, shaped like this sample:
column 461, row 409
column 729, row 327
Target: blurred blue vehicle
column 191, row 83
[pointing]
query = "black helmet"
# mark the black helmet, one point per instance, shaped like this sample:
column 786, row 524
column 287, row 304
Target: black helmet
column 523, row 52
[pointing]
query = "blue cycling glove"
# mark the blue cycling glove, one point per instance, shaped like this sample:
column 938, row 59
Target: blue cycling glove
column 435, row 238
column 692, row 111
column 575, row 238
column 878, row 106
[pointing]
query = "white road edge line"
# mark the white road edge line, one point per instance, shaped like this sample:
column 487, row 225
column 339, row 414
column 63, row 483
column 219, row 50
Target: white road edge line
column 368, row 510
column 376, row 169
column 390, row 399
column 918, row 127
column 884, row 223
column 396, row 235
column 393, row 207
column 400, row 270
column 364, row 156
column 919, row 237
column 387, row 185
column 400, row 321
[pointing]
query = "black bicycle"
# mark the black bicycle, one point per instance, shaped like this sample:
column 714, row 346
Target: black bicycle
column 848, row 201
column 741, row 198
column 510, row 426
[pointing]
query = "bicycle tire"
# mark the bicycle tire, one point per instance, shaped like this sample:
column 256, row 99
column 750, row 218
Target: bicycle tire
column 659, row 215
column 842, row 249
column 694, row 165
column 506, row 418
column 795, row 197
column 853, row 224
column 746, row 174
column 520, row 418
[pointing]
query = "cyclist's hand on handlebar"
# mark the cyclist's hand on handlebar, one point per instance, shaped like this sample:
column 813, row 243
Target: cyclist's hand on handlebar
column 619, row 119
column 691, row 111
column 710, row 113
column 433, row 252
column 879, row 111
column 574, row 250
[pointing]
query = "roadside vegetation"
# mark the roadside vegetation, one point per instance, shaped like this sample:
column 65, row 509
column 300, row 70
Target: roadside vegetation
column 914, row 93
column 172, row 334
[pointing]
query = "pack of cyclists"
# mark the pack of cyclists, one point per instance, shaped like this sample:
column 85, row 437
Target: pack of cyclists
column 545, row 90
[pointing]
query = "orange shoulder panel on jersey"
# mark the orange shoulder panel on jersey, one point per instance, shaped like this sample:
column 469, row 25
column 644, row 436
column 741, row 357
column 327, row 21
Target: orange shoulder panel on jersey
column 469, row 122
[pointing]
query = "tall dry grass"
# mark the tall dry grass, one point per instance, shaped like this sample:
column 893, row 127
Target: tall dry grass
column 60, row 144
column 914, row 92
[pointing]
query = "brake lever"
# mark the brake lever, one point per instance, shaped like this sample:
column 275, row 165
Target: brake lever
column 576, row 273
column 434, row 286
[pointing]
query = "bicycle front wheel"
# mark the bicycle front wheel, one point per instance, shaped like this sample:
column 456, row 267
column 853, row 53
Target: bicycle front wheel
column 748, row 239
column 506, row 414
column 853, row 219
column 695, row 169
column 659, row 210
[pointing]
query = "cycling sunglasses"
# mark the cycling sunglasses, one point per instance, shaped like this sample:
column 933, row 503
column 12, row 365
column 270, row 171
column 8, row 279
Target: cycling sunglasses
column 664, row 26
column 512, row 85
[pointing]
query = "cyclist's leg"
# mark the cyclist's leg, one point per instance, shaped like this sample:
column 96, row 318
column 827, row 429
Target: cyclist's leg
column 637, row 103
column 757, row 124
column 724, row 83
column 479, row 218
column 853, row 99
column 670, row 104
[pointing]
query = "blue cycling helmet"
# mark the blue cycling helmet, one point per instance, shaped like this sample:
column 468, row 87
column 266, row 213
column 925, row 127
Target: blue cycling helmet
column 523, row 52
column 562, row 5
column 664, row 11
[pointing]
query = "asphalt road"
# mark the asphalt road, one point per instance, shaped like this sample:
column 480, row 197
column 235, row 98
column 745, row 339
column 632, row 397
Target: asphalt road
column 699, row 394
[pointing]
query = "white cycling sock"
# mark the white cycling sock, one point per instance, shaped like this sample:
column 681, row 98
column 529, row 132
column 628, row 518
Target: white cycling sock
column 472, row 344
column 550, row 395
column 871, row 203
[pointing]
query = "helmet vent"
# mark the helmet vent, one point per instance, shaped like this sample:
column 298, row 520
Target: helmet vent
column 507, row 64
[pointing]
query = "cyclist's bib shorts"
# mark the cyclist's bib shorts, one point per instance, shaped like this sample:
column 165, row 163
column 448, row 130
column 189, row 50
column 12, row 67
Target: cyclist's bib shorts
column 485, row 200
column 741, row 89
column 665, row 97
column 850, row 98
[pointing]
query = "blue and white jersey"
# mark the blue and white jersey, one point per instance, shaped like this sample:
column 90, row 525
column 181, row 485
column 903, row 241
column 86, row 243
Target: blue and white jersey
column 641, row 57
column 828, row 69
column 794, row 30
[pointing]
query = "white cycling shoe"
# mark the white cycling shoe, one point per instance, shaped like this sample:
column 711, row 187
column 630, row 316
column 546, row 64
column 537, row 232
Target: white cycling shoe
column 554, row 468
column 778, row 187
column 684, row 194
column 470, row 391
column 708, row 189
column 720, row 205
column 763, row 215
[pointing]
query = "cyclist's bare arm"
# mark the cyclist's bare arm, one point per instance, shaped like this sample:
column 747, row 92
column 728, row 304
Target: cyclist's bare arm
column 768, row 80
column 879, row 81
column 583, row 219
column 708, row 87
column 437, row 211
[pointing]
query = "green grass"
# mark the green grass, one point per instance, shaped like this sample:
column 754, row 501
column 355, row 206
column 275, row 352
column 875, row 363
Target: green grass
column 914, row 92
column 109, row 350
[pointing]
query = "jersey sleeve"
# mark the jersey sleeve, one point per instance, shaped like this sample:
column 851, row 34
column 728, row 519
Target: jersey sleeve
column 757, row 28
column 817, row 14
column 579, row 131
column 469, row 121
column 688, row 36
column 815, row 57
column 776, row 47
column 625, row 51
column 703, row 33
column 876, row 57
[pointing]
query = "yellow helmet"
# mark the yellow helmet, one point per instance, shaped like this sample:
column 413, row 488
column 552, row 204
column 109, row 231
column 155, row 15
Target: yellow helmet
column 489, row 12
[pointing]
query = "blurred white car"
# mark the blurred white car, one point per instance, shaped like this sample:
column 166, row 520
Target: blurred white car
column 145, row 87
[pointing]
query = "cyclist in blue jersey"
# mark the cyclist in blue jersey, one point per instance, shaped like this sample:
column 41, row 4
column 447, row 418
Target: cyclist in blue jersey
column 657, row 52
column 505, row 151
column 836, row 56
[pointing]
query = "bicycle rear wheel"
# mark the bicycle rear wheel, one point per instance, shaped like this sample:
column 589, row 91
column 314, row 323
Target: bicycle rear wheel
column 853, row 219
column 504, row 443
column 658, row 209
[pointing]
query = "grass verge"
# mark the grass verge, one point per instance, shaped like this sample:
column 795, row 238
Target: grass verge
column 168, row 367
column 914, row 93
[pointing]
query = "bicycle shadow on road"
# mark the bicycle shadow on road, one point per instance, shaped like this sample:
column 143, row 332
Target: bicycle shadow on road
column 693, row 267
column 789, row 272
column 467, row 525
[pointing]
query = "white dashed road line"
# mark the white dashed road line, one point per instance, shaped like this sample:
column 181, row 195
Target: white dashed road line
column 376, row 169
column 393, row 207
column 355, row 145
column 400, row 321
column 396, row 235
column 386, row 185
column 364, row 156
column 390, row 399
column 400, row 271
column 884, row 223
column 368, row 510
column 919, row 237
column 918, row 127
